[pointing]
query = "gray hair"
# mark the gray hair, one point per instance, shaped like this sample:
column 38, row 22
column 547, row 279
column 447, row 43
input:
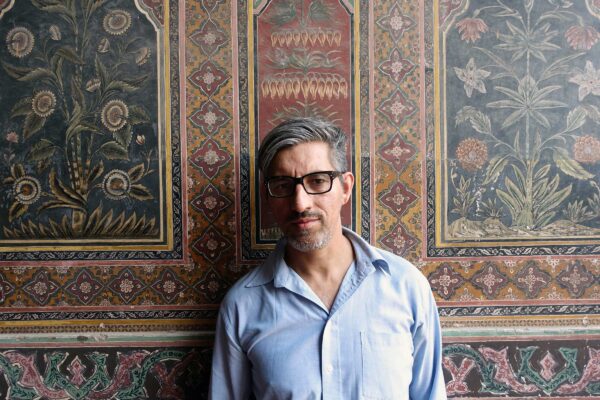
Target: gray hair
column 303, row 130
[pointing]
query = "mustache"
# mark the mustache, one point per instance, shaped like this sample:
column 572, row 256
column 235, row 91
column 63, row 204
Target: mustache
column 304, row 214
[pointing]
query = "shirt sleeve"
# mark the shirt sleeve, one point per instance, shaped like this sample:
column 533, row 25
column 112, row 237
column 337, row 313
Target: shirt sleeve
column 231, row 373
column 428, row 376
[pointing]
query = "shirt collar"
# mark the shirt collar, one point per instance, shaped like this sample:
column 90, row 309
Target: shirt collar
column 276, row 269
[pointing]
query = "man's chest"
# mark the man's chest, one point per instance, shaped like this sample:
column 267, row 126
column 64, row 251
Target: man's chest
column 363, row 346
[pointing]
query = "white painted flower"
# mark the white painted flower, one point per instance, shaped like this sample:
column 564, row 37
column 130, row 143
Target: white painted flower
column 210, row 38
column 588, row 81
column 210, row 118
column 211, row 157
column 208, row 78
column 397, row 108
column 472, row 77
column 396, row 22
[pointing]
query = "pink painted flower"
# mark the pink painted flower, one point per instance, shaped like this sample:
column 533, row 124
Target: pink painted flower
column 582, row 37
column 12, row 137
column 586, row 149
column 470, row 29
column 472, row 154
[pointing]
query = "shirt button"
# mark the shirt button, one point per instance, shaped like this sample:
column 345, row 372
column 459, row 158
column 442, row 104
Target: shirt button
column 329, row 369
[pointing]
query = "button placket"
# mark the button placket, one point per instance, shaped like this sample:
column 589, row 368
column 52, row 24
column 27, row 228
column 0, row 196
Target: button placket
column 330, row 360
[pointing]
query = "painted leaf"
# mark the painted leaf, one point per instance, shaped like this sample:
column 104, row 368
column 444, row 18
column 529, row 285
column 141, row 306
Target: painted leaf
column 515, row 193
column 136, row 173
column 69, row 53
column 559, row 67
column 510, row 202
column 481, row 122
column 137, row 115
column 555, row 199
column 16, row 210
column 42, row 150
column 63, row 192
column 121, row 86
column 123, row 136
column 114, row 151
column 14, row 71
column 575, row 119
column 494, row 168
column 53, row 204
column 96, row 171
column 21, row 108
column 36, row 74
column 140, row 192
column 542, row 172
column 570, row 166
column 101, row 72
column 33, row 123
column 51, row 8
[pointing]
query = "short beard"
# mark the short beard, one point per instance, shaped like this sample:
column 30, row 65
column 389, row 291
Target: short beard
column 305, row 245
column 305, row 242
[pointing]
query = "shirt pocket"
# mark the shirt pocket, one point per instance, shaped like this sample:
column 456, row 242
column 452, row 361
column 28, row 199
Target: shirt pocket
column 386, row 365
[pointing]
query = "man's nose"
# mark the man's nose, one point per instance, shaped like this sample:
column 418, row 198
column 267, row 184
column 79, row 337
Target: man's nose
column 300, row 199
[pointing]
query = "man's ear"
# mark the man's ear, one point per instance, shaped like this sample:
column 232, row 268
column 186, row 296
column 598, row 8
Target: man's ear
column 347, row 185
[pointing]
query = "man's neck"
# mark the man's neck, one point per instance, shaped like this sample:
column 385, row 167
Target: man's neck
column 323, row 269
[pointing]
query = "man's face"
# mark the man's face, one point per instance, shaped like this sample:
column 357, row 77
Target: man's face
column 309, row 221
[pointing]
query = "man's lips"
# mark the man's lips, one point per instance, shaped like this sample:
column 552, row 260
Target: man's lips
column 304, row 223
column 304, row 220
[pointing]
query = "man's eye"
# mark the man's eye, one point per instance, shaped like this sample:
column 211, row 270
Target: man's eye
column 280, row 184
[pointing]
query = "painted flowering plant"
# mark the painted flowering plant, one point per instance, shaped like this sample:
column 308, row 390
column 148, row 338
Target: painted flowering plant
column 527, row 143
column 78, row 114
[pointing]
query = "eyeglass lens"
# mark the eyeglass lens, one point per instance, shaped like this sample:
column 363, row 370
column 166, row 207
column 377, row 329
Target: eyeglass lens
column 315, row 183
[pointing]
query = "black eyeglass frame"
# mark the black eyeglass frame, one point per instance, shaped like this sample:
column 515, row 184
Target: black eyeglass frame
column 300, row 180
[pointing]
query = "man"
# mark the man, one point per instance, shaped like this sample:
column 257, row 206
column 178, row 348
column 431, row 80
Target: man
column 326, row 316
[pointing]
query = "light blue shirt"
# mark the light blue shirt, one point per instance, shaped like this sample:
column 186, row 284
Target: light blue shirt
column 380, row 340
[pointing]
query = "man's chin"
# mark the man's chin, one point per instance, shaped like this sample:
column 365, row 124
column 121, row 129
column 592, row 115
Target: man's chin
column 306, row 243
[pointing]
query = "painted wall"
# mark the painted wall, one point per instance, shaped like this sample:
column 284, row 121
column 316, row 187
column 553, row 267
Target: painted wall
column 130, row 199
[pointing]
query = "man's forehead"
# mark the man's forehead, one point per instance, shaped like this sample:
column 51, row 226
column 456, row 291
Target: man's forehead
column 311, row 155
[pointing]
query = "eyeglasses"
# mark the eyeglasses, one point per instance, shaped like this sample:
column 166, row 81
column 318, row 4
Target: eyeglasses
column 313, row 183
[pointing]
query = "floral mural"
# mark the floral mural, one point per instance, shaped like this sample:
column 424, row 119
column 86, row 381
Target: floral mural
column 83, row 148
column 518, row 138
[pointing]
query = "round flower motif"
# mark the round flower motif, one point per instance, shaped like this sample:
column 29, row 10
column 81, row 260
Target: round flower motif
column 140, row 139
column 40, row 288
column 126, row 286
column 396, row 22
column 20, row 41
column 582, row 37
column 212, row 244
column 169, row 287
column 43, row 103
column 210, row 38
column 586, row 150
column 472, row 154
column 114, row 115
column 470, row 29
column 116, row 184
column 210, row 118
column 27, row 190
column 117, row 22
column 208, row 78
column 85, row 287
column 210, row 202
column 211, row 157
column 55, row 32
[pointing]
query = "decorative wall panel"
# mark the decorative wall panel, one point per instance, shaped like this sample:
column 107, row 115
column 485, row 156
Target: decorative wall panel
column 300, row 59
column 91, row 160
column 472, row 138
